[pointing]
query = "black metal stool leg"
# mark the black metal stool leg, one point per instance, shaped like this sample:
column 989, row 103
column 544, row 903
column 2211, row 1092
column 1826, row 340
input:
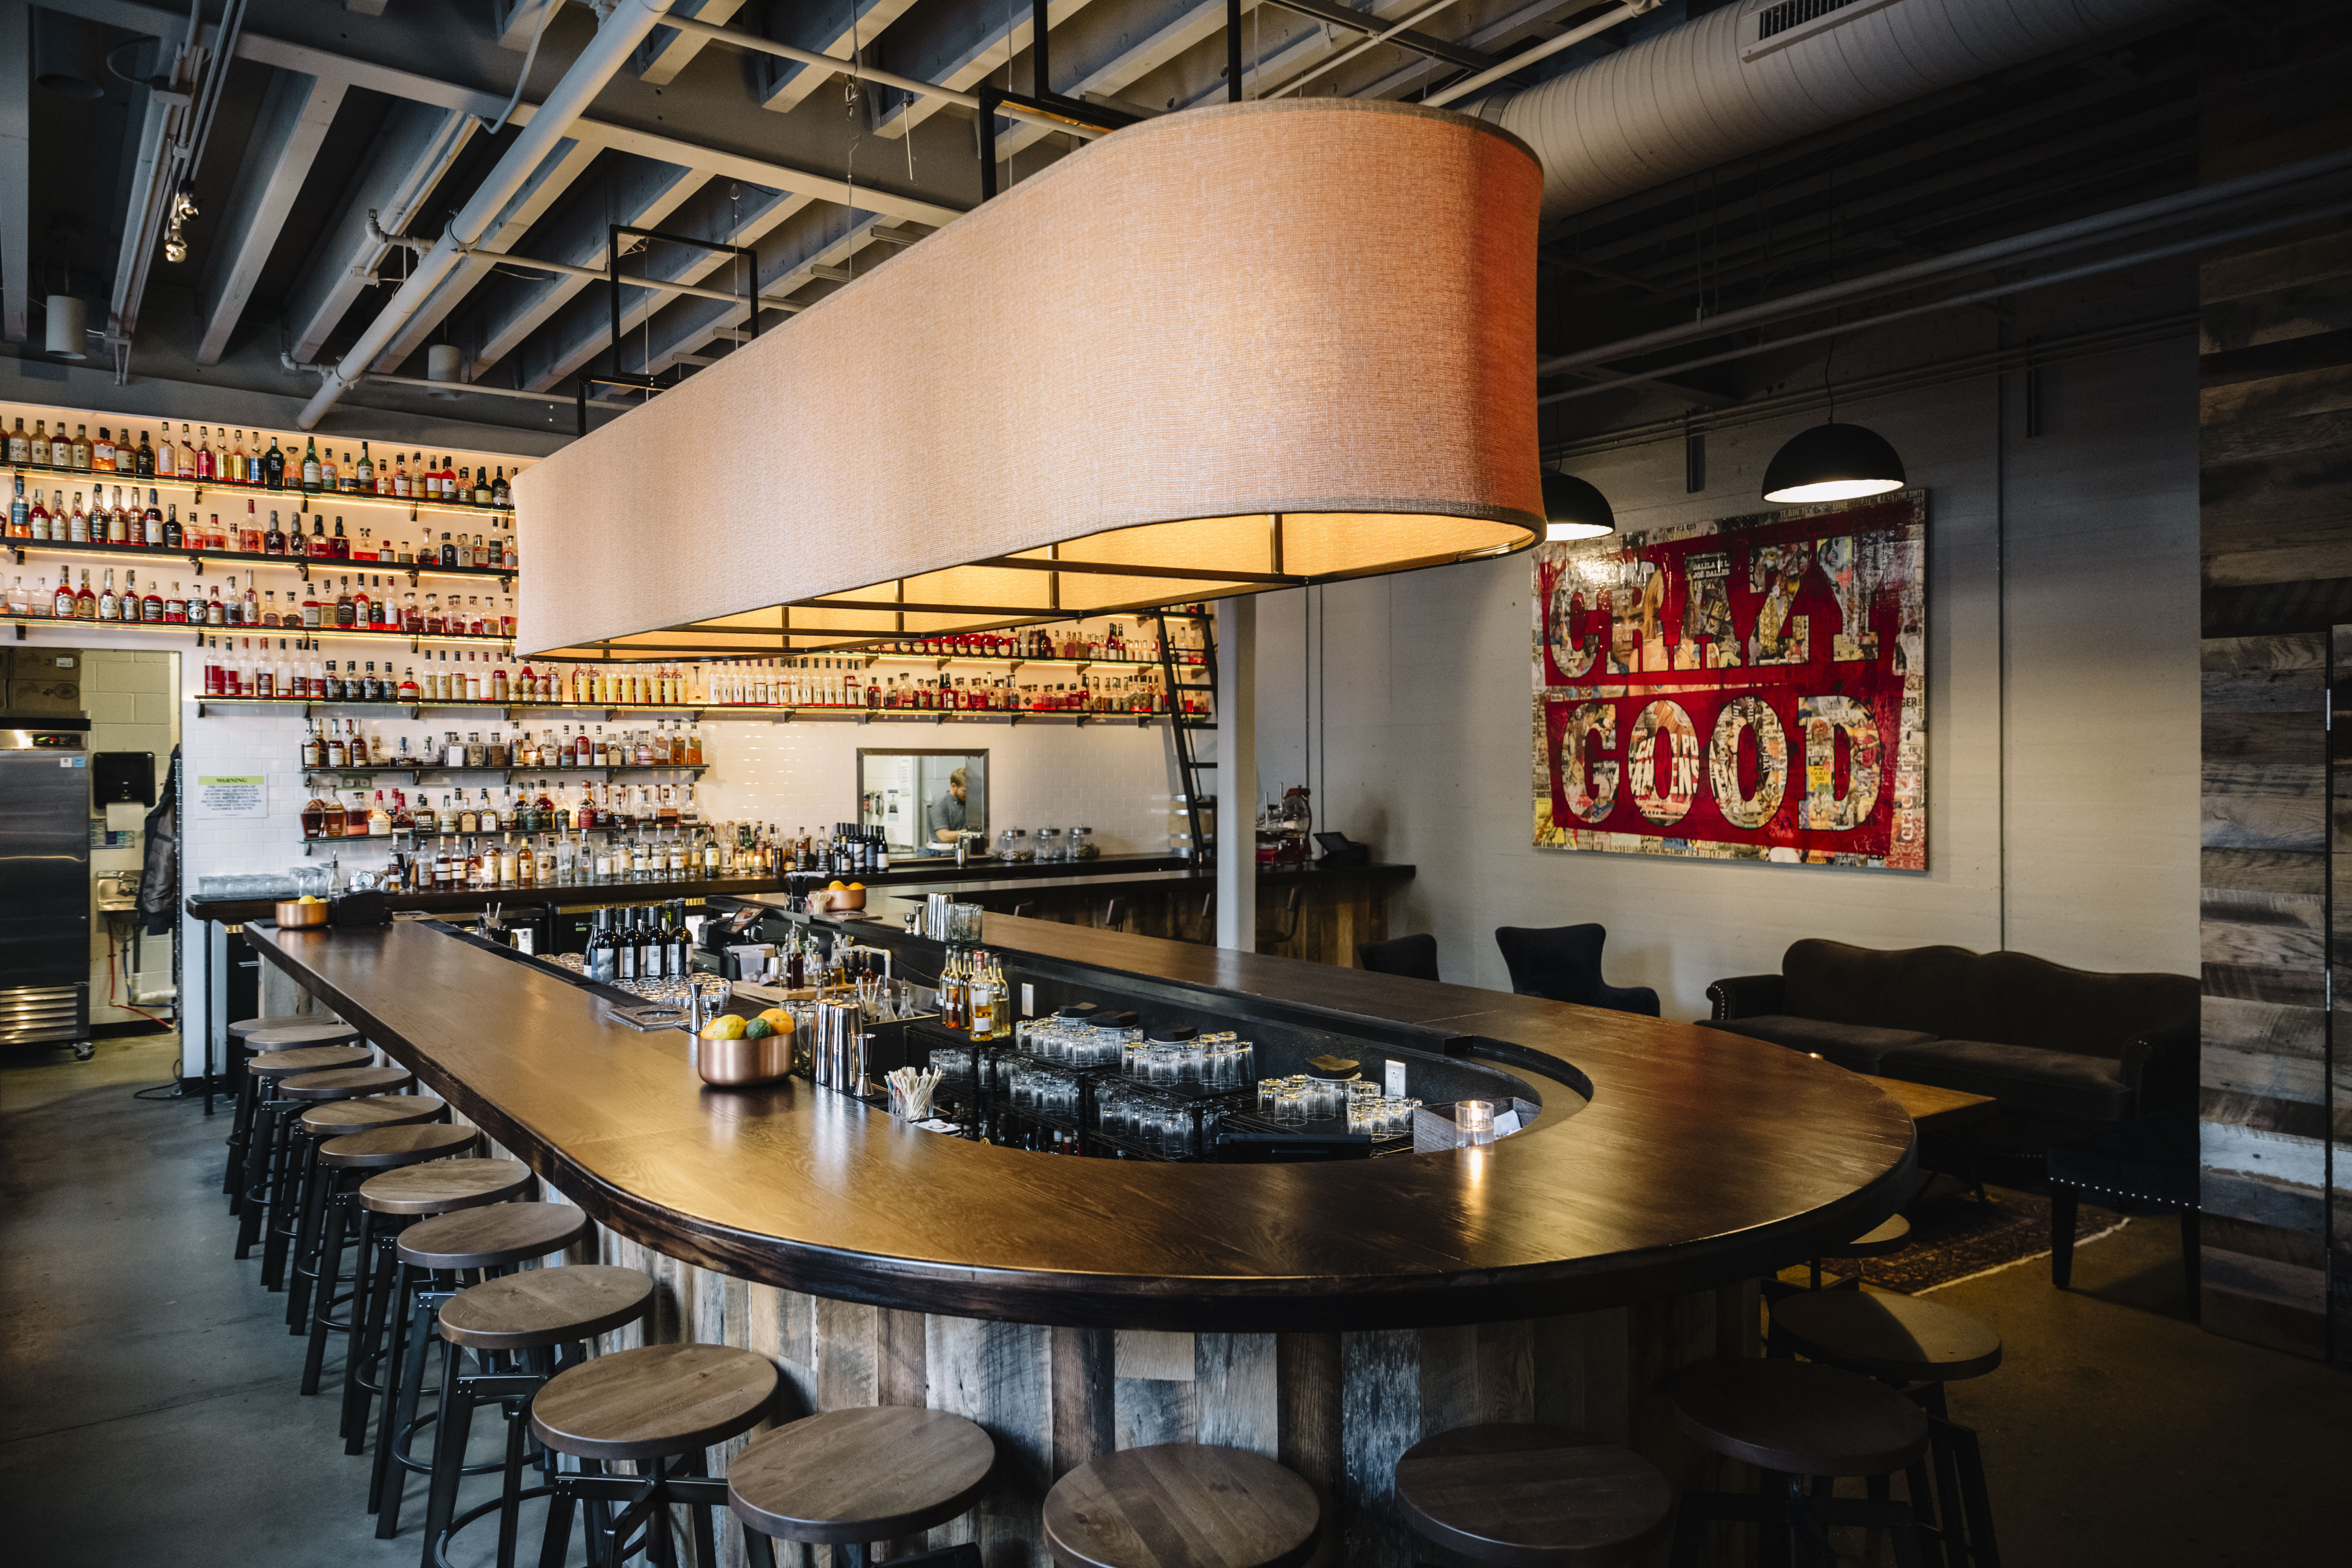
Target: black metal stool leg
column 404, row 1383
column 240, row 1129
column 453, row 1426
column 373, row 1280
column 253, row 1181
column 329, row 1272
column 285, row 1134
column 309, row 1210
column 706, row 1541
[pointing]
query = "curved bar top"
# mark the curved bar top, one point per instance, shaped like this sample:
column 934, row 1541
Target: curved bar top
column 1702, row 1159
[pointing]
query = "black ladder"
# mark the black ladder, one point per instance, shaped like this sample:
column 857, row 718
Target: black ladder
column 1188, row 765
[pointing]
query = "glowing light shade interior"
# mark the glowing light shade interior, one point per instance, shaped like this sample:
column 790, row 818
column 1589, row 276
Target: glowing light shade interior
column 1225, row 351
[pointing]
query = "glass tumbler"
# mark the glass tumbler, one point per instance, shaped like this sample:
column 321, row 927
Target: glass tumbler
column 1290, row 1106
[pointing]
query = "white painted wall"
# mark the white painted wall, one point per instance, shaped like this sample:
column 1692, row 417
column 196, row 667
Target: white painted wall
column 129, row 697
column 2073, row 836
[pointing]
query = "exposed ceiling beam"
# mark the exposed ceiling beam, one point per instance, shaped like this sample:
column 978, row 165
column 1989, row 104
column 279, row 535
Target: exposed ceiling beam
column 693, row 324
column 577, row 336
column 16, row 169
column 516, row 22
column 975, row 46
column 414, row 149
column 1174, row 29
column 669, row 51
column 1368, row 24
column 567, row 162
column 640, row 194
column 833, row 28
column 296, row 112
column 395, row 82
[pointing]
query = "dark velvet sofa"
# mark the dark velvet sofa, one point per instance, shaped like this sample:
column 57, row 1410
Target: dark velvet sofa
column 2060, row 1048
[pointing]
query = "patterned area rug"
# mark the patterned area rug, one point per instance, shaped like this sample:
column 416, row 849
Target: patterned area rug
column 1954, row 1237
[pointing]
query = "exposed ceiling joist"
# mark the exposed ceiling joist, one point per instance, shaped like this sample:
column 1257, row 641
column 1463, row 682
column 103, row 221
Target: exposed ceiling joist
column 296, row 112
column 418, row 143
column 836, row 28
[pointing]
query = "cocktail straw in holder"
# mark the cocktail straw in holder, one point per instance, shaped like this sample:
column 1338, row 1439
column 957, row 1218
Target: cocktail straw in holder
column 911, row 1091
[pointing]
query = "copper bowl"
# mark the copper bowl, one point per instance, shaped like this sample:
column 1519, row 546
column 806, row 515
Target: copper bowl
column 737, row 1064
column 290, row 913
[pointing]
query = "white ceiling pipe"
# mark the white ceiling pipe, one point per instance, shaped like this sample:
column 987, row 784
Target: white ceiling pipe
column 625, row 27
column 1711, row 91
column 1543, row 52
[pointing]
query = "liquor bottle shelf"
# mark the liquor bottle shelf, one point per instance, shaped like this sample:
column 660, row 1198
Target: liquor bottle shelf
column 777, row 713
column 940, row 660
column 414, row 639
column 298, row 498
column 303, row 564
column 509, row 772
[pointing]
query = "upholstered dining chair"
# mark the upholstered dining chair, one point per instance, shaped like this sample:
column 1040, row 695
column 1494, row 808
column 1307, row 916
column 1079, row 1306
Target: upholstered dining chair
column 1563, row 963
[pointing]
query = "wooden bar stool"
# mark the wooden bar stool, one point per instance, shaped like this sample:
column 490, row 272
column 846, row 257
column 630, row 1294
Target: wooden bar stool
column 850, row 1477
column 1917, row 1346
column 344, row 1156
column 1794, row 1419
column 661, row 1406
column 264, row 1149
column 1532, row 1497
column 241, row 1120
column 521, row 1328
column 1891, row 1235
column 1182, row 1505
column 388, row 1204
column 293, row 1227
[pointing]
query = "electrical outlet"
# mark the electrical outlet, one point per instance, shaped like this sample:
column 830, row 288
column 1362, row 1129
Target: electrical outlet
column 1028, row 1000
column 1396, row 1080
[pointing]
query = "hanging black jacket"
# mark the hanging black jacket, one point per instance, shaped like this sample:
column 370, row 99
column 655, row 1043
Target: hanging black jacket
column 159, row 869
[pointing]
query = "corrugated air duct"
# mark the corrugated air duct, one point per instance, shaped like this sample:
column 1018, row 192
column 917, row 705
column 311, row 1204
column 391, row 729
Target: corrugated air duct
column 1744, row 79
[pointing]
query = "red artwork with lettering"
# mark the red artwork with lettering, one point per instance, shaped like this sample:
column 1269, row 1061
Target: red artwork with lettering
column 1751, row 687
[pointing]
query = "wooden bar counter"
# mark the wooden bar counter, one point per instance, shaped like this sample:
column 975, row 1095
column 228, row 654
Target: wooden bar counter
column 1327, row 1315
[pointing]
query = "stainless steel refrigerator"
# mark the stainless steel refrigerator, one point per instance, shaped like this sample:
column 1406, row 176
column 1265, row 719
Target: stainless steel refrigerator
column 44, row 879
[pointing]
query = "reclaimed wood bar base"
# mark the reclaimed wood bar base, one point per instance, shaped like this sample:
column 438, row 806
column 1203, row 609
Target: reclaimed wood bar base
column 1338, row 1408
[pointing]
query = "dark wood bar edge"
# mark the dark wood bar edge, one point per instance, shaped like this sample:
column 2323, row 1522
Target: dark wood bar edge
column 1703, row 1158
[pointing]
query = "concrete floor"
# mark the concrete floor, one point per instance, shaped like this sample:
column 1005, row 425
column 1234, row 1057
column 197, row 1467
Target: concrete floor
column 148, row 1412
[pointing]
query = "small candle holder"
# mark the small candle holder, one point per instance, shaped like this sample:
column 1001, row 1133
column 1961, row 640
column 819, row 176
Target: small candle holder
column 1474, row 1122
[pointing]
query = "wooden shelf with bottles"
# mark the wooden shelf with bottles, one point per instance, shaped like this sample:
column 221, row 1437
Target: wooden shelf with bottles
column 302, row 564
column 941, row 661
column 311, row 707
column 415, row 640
column 295, row 499
column 509, row 775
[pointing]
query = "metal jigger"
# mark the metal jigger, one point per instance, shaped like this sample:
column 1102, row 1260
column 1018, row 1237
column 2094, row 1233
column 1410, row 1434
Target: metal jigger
column 861, row 1056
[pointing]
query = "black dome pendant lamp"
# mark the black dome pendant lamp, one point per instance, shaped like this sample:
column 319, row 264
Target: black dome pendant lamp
column 1574, row 509
column 1833, row 462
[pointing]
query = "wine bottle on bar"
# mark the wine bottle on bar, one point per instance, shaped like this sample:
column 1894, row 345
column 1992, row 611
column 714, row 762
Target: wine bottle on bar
column 602, row 962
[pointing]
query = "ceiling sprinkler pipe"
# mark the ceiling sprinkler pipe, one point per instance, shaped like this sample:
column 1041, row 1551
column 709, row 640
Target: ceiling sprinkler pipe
column 609, row 52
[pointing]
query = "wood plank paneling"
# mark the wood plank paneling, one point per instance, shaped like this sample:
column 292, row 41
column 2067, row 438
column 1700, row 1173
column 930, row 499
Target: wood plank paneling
column 2275, row 485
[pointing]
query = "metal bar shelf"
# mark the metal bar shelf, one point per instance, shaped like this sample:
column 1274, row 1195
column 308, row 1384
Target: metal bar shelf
column 299, row 498
column 104, row 550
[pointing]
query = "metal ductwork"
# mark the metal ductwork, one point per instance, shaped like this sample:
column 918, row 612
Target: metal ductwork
column 1766, row 71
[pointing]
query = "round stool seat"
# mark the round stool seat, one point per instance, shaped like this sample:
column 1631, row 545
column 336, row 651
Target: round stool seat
column 491, row 1237
column 291, row 1035
column 1897, row 1337
column 546, row 1306
column 336, row 1116
column 649, row 1403
column 245, row 1026
column 389, row 1148
column 1531, row 1497
column 445, row 1184
column 864, row 1474
column 310, row 1058
column 1181, row 1505
column 346, row 1083
column 1798, row 1418
column 1891, row 1236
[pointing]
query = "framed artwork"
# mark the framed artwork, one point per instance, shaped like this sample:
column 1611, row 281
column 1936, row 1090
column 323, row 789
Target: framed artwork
column 1746, row 689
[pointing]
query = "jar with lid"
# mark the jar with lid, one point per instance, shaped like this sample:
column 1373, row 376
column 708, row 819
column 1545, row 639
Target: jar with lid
column 477, row 755
column 453, row 752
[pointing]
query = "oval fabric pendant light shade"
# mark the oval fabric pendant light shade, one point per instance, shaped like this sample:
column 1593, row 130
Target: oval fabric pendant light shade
column 1833, row 462
column 1223, row 351
column 1574, row 509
